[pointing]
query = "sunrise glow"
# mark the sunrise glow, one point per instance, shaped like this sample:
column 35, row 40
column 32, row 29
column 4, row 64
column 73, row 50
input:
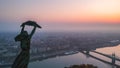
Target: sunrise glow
column 60, row 11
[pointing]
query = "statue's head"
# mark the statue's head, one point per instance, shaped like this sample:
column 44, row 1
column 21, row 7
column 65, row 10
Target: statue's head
column 24, row 33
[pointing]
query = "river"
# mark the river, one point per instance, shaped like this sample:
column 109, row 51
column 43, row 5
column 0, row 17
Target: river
column 78, row 58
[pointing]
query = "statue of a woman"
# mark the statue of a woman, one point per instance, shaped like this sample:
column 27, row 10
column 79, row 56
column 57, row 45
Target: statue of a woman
column 22, row 59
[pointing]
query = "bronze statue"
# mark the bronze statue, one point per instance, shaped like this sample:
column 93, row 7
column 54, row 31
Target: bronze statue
column 24, row 38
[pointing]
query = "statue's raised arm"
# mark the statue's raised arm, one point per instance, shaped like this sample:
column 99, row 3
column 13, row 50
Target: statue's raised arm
column 22, row 28
column 31, row 23
column 32, row 32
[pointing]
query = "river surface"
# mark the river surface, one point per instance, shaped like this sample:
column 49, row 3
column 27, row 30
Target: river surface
column 78, row 58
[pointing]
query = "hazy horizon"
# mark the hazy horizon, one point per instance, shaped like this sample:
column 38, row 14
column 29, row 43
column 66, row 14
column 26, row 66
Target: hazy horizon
column 15, row 27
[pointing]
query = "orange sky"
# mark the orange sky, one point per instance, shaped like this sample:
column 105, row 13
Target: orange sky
column 99, row 11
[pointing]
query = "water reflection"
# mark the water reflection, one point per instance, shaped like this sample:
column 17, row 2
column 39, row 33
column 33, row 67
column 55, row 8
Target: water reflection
column 62, row 61
column 113, row 58
column 90, row 55
column 110, row 50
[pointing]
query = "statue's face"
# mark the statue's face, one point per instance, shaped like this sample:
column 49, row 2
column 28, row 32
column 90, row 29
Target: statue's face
column 25, row 33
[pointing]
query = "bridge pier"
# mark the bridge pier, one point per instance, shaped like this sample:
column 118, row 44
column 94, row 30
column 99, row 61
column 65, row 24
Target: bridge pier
column 113, row 58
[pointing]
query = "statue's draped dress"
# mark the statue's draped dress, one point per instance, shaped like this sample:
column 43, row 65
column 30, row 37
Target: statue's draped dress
column 22, row 59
